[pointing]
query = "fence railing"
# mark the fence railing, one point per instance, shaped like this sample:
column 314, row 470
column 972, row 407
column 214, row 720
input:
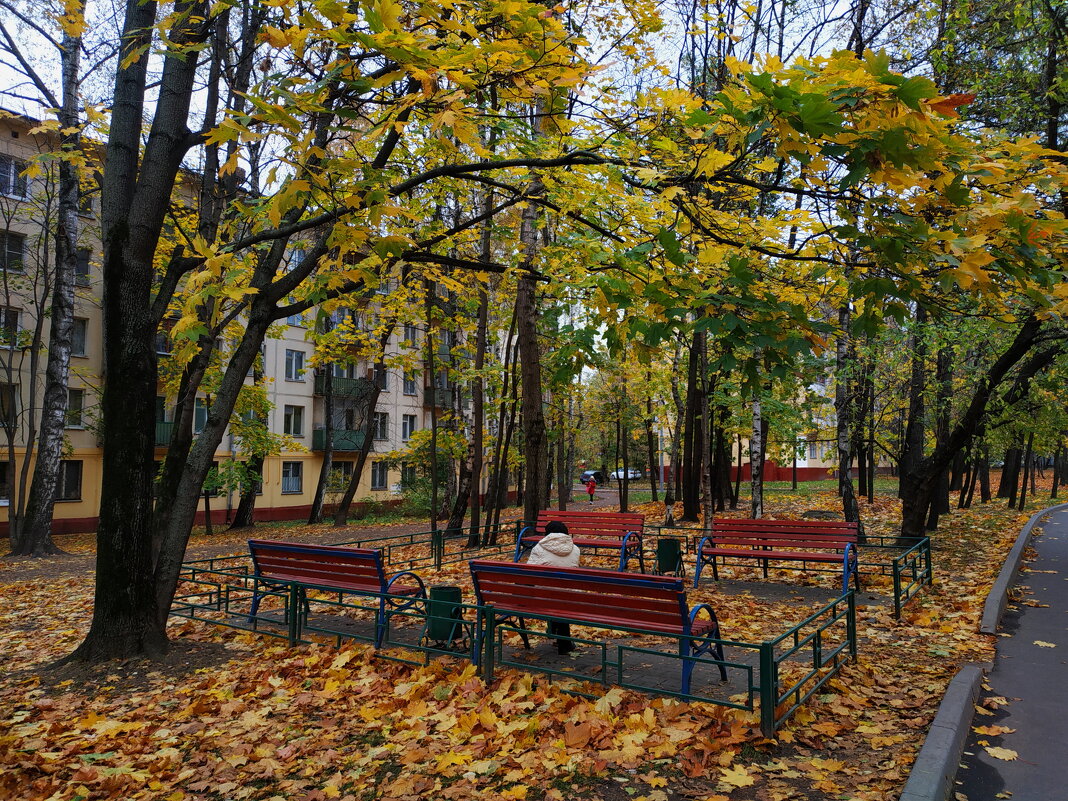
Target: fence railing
column 773, row 677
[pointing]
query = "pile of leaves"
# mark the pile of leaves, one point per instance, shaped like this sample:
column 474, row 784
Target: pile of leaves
column 233, row 715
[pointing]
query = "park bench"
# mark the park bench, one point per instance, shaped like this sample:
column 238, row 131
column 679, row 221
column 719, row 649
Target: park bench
column 634, row 602
column 616, row 531
column 340, row 569
column 780, row 540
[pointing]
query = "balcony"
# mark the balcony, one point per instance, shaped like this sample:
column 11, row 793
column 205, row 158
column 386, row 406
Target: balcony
column 342, row 387
column 343, row 439
column 435, row 396
column 164, row 430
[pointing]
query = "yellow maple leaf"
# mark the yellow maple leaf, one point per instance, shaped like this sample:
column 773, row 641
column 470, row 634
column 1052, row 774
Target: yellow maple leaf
column 736, row 777
column 452, row 758
column 1006, row 754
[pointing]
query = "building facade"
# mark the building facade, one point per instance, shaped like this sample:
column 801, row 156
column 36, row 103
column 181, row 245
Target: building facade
column 295, row 389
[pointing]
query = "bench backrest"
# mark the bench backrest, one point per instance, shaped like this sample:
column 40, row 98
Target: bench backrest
column 593, row 524
column 583, row 594
column 784, row 533
column 323, row 565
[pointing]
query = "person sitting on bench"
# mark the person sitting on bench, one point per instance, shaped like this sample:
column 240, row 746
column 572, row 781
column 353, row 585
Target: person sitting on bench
column 557, row 549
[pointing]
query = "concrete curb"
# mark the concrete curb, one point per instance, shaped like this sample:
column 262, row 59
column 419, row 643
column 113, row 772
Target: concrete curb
column 932, row 775
column 999, row 593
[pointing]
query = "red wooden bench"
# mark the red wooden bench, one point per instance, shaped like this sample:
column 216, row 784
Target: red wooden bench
column 616, row 531
column 600, row 598
column 780, row 540
column 341, row 569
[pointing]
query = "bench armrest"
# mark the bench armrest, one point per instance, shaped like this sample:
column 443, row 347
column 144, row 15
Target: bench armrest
column 701, row 545
column 711, row 614
column 410, row 574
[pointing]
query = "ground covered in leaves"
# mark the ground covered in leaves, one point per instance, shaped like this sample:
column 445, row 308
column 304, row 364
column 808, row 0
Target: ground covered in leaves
column 233, row 715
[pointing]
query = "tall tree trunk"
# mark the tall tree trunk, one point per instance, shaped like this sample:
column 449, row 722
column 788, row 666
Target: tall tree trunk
column 843, row 407
column 243, row 517
column 36, row 534
column 984, row 475
column 1010, row 470
column 135, row 198
column 478, row 400
column 1056, row 472
column 1028, row 470
column 756, row 462
column 650, row 439
column 316, row 513
column 912, row 453
column 692, row 447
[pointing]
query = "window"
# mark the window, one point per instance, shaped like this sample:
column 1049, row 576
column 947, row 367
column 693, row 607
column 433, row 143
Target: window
column 293, row 421
column 8, row 409
column 407, row 426
column 163, row 344
column 409, row 334
column 812, row 450
column 292, row 478
column 81, row 267
column 296, row 319
column 381, row 425
column 379, row 476
column 75, row 407
column 5, row 493
column 344, row 370
column 78, row 330
column 294, row 365
column 341, row 472
column 200, row 415
column 69, row 482
column 9, row 325
column 12, row 247
column 409, row 384
column 407, row 474
column 381, row 377
column 85, row 198
column 11, row 182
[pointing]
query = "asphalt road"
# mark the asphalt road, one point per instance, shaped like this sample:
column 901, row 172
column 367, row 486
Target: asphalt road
column 1031, row 674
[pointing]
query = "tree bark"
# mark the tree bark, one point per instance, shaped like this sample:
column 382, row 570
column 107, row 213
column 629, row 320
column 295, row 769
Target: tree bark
column 692, row 445
column 316, row 514
column 36, row 534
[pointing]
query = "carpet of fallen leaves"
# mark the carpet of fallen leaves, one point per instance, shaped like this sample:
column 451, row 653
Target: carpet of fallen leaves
column 233, row 715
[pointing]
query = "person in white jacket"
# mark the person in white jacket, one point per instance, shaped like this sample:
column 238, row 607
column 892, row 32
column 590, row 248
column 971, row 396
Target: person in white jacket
column 557, row 549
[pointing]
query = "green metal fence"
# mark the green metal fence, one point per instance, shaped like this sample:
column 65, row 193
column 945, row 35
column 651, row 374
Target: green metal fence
column 774, row 677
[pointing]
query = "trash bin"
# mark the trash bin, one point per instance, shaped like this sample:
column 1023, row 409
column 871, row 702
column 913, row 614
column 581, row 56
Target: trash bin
column 445, row 616
column 669, row 557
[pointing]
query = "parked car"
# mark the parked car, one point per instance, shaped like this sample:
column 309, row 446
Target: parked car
column 596, row 475
column 631, row 473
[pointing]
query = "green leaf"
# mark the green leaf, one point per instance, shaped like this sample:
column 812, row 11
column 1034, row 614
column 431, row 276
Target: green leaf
column 915, row 89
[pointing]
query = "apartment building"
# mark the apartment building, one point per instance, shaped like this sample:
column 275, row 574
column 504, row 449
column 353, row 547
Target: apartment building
column 27, row 212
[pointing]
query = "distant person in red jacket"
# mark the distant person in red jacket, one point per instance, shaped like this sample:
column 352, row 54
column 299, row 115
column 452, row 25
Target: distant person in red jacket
column 591, row 487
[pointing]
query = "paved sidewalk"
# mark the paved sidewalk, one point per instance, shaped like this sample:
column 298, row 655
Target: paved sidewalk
column 1031, row 673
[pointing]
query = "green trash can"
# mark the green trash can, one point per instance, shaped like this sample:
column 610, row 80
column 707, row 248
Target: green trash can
column 445, row 616
column 669, row 557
